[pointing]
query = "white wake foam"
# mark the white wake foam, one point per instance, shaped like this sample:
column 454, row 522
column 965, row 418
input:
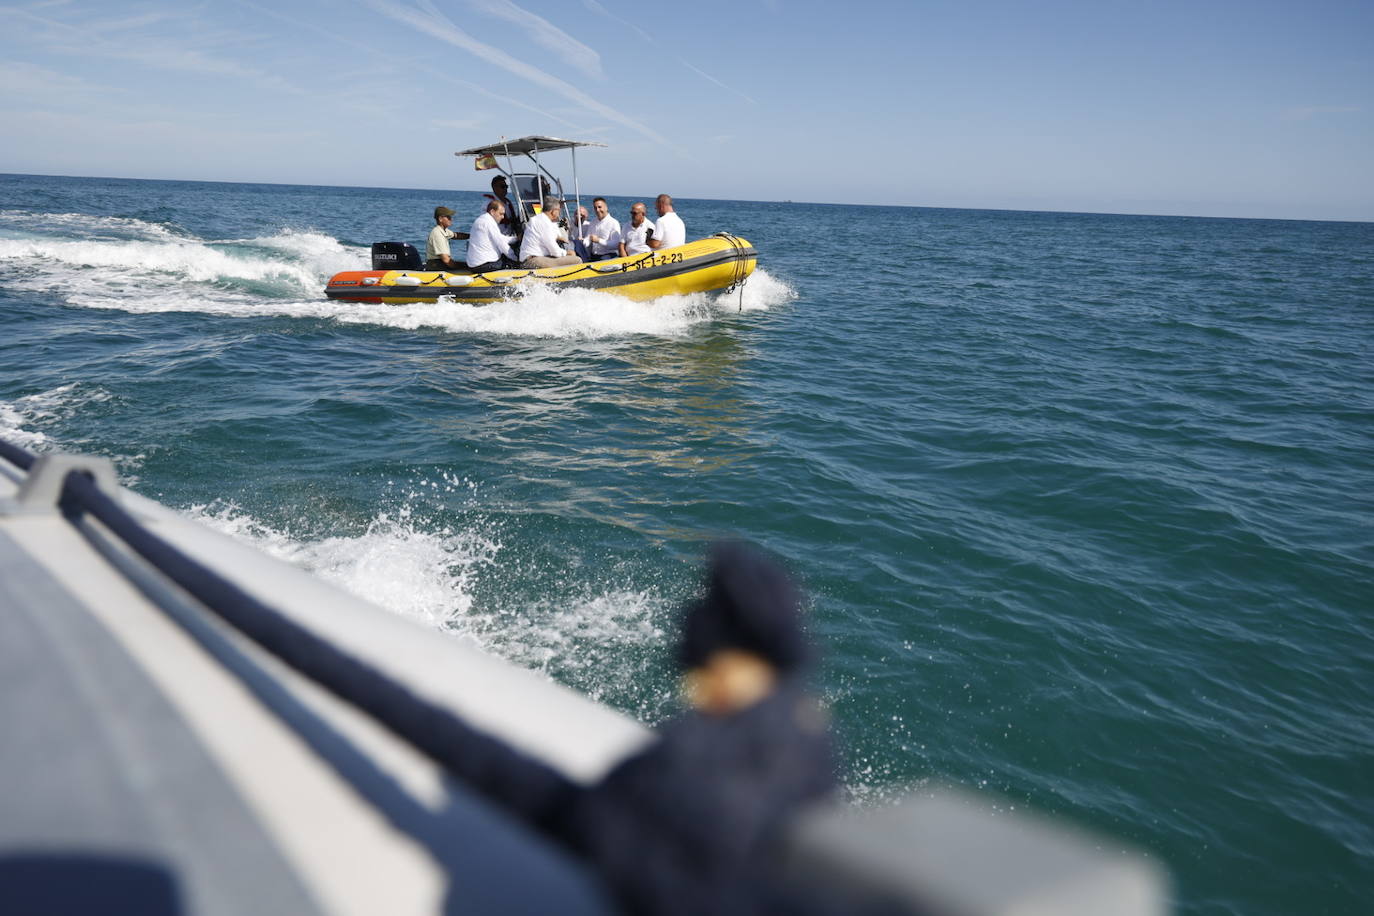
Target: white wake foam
column 433, row 574
column 87, row 226
column 18, row 416
column 172, row 274
column 140, row 267
column 544, row 312
column 12, row 423
column 569, row 313
column 426, row 576
column 540, row 313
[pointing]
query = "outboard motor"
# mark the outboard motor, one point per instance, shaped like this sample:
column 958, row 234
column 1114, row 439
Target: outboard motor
column 395, row 256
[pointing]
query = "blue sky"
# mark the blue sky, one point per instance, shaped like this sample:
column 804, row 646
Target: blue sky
column 1203, row 108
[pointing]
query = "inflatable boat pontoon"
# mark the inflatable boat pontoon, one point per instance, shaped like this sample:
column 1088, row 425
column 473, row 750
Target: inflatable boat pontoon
column 718, row 263
column 193, row 727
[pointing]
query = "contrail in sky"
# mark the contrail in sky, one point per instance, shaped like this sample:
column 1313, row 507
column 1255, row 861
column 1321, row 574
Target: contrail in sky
column 543, row 32
column 427, row 19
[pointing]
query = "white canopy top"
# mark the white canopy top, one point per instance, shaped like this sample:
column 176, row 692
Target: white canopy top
column 525, row 145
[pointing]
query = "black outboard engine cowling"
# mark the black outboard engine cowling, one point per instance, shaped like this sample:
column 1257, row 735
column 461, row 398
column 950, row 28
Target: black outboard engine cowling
column 395, row 256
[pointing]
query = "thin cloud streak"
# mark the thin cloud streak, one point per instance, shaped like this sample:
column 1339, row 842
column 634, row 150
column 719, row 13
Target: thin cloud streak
column 542, row 32
column 431, row 22
column 372, row 51
column 1309, row 112
column 507, row 100
column 84, row 40
column 600, row 10
column 28, row 82
column 704, row 75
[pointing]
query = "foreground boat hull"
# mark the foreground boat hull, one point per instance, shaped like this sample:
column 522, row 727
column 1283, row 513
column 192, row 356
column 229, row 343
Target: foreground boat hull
column 719, row 262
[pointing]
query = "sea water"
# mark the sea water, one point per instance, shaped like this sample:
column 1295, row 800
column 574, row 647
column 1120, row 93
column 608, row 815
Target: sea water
column 1084, row 504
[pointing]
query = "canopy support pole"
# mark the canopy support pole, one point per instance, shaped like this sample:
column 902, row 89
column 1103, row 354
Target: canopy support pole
column 577, row 193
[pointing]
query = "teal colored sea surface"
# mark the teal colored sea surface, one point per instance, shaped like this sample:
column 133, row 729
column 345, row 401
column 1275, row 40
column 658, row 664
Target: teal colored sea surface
column 1084, row 504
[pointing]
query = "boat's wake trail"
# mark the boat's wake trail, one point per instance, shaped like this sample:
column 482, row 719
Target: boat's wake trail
column 596, row 636
column 18, row 417
column 139, row 267
column 571, row 313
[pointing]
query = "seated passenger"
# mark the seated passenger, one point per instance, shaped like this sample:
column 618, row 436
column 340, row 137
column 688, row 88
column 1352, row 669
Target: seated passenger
column 670, row 230
column 634, row 235
column 603, row 233
column 580, row 232
column 437, row 255
column 540, row 247
column 488, row 247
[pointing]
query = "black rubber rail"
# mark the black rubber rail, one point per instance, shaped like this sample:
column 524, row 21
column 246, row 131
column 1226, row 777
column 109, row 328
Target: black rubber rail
column 16, row 456
column 527, row 787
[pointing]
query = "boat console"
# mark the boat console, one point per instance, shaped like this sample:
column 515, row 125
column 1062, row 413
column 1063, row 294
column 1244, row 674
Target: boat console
column 530, row 189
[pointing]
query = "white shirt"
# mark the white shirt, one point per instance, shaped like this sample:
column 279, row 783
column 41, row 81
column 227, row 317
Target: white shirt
column 437, row 243
column 670, row 230
column 510, row 209
column 541, row 239
column 486, row 242
column 608, row 231
column 634, row 237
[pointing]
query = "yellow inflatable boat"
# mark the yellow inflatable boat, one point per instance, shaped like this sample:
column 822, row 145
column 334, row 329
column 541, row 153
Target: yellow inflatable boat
column 720, row 262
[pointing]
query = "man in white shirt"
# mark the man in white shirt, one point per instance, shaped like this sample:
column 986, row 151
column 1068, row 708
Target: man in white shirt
column 603, row 233
column 489, row 247
column 669, row 231
column 437, row 255
column 540, row 246
column 634, row 234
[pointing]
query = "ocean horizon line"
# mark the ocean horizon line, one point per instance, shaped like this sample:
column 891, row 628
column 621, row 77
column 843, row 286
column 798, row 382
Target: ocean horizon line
column 782, row 202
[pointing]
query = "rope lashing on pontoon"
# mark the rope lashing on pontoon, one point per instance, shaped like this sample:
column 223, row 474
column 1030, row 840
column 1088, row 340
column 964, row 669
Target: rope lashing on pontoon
column 522, row 784
column 739, row 262
column 741, row 265
column 441, row 279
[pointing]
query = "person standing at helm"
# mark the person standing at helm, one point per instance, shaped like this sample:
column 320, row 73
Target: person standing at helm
column 540, row 247
column 669, row 231
column 437, row 255
column 499, row 189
